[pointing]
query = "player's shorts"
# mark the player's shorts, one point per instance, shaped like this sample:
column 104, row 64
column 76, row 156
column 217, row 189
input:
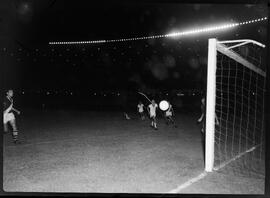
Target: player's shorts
column 152, row 116
column 140, row 111
column 168, row 113
column 8, row 117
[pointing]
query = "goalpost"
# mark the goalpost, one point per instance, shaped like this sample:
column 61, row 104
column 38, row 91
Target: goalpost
column 236, row 77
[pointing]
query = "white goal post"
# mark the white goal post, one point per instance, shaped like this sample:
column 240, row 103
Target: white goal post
column 214, row 47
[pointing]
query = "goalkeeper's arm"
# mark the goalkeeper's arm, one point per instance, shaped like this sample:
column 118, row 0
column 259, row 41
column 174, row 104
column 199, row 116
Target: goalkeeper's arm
column 216, row 119
column 201, row 118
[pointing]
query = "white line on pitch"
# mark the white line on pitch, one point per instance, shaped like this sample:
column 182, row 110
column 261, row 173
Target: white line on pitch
column 235, row 158
column 188, row 183
column 202, row 175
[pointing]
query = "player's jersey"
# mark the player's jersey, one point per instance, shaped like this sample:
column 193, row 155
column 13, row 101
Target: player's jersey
column 169, row 111
column 140, row 108
column 153, row 109
column 7, row 103
column 7, row 112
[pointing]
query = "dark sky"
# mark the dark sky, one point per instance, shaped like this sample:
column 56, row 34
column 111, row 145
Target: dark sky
column 26, row 27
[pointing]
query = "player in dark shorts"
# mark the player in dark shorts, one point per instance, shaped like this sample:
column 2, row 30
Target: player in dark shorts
column 8, row 115
column 169, row 115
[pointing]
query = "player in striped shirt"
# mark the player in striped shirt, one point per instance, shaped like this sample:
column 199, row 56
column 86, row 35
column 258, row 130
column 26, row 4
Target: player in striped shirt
column 8, row 115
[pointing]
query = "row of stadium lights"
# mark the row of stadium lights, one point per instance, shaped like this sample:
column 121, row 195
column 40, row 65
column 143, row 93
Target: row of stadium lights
column 118, row 94
column 71, row 93
column 95, row 94
column 162, row 36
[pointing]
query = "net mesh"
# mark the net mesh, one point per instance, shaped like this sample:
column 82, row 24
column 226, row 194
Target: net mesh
column 239, row 135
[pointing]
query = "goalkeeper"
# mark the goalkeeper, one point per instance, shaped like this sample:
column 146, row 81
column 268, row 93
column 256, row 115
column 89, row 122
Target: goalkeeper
column 202, row 117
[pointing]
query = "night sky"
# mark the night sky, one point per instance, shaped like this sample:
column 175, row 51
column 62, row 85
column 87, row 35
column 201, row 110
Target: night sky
column 26, row 27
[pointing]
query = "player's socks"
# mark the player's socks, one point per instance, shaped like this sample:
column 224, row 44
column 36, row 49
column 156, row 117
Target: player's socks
column 15, row 136
column 5, row 129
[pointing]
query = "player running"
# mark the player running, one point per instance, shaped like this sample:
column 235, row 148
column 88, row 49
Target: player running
column 169, row 115
column 8, row 116
column 152, row 113
column 140, row 108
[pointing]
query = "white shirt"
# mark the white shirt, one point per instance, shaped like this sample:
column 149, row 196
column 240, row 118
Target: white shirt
column 140, row 107
column 153, row 109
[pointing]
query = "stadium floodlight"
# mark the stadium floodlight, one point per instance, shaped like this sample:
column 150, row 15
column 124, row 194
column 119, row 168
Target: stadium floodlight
column 174, row 34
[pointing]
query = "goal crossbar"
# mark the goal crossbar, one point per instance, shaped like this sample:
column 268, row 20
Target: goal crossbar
column 243, row 40
column 235, row 56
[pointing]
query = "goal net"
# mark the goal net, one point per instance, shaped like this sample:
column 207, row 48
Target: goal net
column 235, row 95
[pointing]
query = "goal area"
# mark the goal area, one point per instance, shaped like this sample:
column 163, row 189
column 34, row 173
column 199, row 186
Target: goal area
column 236, row 80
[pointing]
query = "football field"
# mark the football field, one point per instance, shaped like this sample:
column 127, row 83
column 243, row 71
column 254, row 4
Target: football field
column 88, row 152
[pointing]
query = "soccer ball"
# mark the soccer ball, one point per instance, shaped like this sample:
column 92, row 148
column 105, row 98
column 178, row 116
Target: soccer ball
column 163, row 105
